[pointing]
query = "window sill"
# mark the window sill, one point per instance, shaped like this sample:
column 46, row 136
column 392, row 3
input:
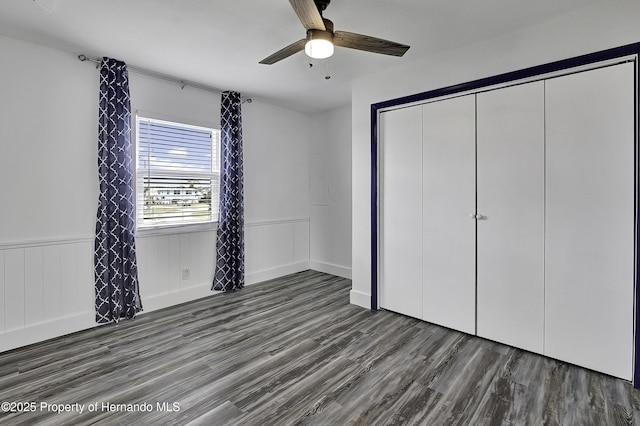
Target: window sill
column 150, row 231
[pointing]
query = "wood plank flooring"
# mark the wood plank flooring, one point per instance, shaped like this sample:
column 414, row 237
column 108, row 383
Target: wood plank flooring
column 293, row 351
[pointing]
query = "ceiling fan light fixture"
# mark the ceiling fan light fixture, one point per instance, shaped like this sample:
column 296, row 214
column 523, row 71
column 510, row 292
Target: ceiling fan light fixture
column 319, row 44
column 321, row 39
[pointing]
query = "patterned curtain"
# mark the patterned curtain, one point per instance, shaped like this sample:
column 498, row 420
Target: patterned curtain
column 117, row 294
column 229, row 271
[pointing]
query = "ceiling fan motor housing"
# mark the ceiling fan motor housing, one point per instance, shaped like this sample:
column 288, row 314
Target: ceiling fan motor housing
column 327, row 34
column 319, row 35
column 321, row 4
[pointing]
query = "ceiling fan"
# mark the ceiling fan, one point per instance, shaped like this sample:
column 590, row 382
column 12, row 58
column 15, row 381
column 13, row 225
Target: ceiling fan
column 321, row 38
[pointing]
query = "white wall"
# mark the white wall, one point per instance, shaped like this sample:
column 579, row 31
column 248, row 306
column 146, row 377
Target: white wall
column 276, row 149
column 598, row 27
column 48, row 158
column 276, row 168
column 48, row 148
column 330, row 192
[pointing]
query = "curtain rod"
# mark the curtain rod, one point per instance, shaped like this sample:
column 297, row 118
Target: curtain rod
column 165, row 77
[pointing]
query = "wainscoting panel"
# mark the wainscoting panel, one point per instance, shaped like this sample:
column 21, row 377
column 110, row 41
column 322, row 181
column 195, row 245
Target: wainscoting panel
column 163, row 264
column 47, row 287
column 142, row 246
column 51, row 292
column 14, row 289
column 276, row 248
column 301, row 241
column 33, row 285
column 203, row 253
column 162, row 259
column 175, row 263
column 275, row 242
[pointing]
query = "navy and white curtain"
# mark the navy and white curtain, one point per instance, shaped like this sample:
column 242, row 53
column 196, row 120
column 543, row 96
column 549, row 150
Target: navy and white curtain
column 116, row 275
column 229, row 270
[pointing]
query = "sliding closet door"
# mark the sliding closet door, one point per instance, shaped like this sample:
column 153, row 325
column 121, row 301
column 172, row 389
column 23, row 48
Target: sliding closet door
column 401, row 211
column 511, row 215
column 590, row 212
column 448, row 199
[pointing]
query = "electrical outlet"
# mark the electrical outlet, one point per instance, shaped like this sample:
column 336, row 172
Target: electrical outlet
column 186, row 273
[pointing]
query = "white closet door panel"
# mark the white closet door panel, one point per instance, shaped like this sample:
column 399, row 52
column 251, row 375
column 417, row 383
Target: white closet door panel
column 448, row 200
column 590, row 219
column 401, row 212
column 510, row 183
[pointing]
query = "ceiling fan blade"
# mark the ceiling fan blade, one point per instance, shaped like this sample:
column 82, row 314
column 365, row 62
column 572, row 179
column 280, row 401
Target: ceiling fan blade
column 308, row 14
column 368, row 43
column 285, row 53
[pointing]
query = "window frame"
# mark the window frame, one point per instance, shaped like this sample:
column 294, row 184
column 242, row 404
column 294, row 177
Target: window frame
column 169, row 228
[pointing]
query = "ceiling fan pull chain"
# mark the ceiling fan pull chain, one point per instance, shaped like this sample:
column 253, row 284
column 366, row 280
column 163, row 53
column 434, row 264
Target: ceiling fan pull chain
column 327, row 77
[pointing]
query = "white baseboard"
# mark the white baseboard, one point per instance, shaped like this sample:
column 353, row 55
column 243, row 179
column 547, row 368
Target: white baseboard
column 165, row 300
column 360, row 299
column 269, row 274
column 328, row 268
column 60, row 327
column 47, row 330
column 44, row 331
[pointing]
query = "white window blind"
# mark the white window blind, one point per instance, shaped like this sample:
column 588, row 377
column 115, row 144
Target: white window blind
column 178, row 173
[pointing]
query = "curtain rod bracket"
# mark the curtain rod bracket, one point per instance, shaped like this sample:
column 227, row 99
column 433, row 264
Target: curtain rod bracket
column 84, row 58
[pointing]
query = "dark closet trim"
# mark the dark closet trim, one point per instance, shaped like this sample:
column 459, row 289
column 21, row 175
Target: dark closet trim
column 476, row 85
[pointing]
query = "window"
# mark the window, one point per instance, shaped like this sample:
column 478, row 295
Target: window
column 178, row 173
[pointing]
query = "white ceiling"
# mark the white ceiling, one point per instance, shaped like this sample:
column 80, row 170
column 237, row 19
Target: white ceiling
column 219, row 42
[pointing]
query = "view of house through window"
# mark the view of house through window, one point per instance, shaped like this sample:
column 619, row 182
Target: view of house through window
column 178, row 173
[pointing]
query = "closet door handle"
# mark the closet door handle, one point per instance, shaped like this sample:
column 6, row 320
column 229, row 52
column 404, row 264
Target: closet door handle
column 481, row 217
column 473, row 216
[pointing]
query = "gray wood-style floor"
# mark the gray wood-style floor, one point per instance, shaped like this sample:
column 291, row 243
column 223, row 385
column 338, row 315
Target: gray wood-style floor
column 293, row 351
